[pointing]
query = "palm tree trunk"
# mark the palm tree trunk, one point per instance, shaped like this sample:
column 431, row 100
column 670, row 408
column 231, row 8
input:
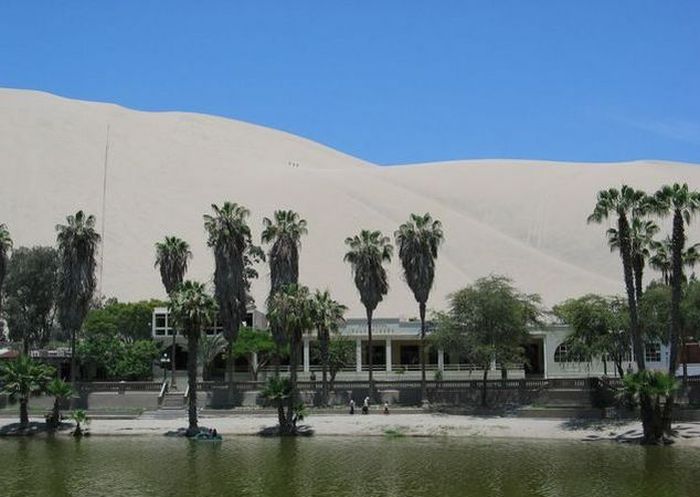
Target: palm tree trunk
column 193, row 428
column 324, row 366
column 23, row 412
column 293, row 365
column 73, row 364
column 423, row 385
column 172, row 361
column 230, row 370
column 678, row 241
column 638, row 263
column 625, row 253
column 369, row 353
column 483, row 386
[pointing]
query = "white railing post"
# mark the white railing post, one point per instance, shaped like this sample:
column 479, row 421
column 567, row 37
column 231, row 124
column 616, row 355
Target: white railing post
column 307, row 355
column 358, row 354
column 388, row 355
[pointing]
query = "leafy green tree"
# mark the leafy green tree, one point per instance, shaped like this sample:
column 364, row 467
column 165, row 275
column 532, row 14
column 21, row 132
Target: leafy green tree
column 327, row 316
column 5, row 249
column 252, row 341
column 682, row 204
column 113, row 358
column 30, row 290
column 193, row 309
column 291, row 311
column 61, row 392
column 418, row 240
column 21, row 378
column 487, row 321
column 81, row 419
column 279, row 391
column 600, row 329
column 129, row 321
column 367, row 253
column 77, row 245
column 284, row 232
column 229, row 236
column 690, row 310
column 172, row 258
column 341, row 354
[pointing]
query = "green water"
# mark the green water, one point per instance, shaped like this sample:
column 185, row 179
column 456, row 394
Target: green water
column 329, row 466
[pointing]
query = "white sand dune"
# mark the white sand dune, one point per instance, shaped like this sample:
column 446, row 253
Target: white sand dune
column 525, row 219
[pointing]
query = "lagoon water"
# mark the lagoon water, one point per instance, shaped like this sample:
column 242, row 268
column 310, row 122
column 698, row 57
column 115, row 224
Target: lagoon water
column 330, row 466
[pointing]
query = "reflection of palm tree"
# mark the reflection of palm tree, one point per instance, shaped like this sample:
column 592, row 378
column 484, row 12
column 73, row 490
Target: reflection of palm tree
column 367, row 252
column 418, row 240
column 172, row 257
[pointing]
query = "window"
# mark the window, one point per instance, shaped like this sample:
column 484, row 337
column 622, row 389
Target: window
column 161, row 324
column 561, row 354
column 652, row 352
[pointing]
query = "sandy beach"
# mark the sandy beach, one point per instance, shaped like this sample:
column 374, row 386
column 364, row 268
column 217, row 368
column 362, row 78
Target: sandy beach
column 416, row 425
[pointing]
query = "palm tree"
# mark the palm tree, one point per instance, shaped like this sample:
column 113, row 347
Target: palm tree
column 5, row 248
column 77, row 245
column 284, row 232
column 209, row 348
column 172, row 257
column 327, row 316
column 642, row 232
column 61, row 391
column 682, row 203
column 367, row 252
column 194, row 309
column 625, row 203
column 418, row 240
column 21, row 378
column 290, row 309
column 661, row 258
column 229, row 236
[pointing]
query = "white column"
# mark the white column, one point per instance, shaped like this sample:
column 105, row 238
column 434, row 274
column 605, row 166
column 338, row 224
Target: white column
column 358, row 355
column 307, row 356
column 388, row 355
column 441, row 359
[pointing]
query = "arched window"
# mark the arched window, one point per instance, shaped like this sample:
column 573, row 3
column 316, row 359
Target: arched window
column 561, row 354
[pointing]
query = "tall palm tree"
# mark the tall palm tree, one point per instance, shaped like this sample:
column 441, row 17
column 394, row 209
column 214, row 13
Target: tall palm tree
column 661, row 258
column 194, row 309
column 5, row 248
column 624, row 203
column 172, row 257
column 77, row 245
column 229, row 236
column 418, row 240
column 682, row 203
column 284, row 232
column 290, row 309
column 367, row 252
column 642, row 232
column 327, row 317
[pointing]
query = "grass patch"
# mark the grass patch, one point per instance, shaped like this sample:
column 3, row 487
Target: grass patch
column 393, row 433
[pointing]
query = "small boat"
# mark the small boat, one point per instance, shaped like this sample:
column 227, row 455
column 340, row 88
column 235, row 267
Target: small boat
column 207, row 437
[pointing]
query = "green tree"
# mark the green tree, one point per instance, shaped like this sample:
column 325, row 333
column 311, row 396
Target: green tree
column 341, row 354
column 642, row 232
column 61, row 392
column 251, row 342
column 5, row 249
column 194, row 309
column 367, row 253
column 172, row 258
column 418, row 240
column 327, row 317
column 111, row 357
column 210, row 346
column 229, row 236
column 487, row 322
column 290, row 310
column 600, row 329
column 77, row 245
column 690, row 310
column 658, row 387
column 22, row 378
column 284, row 232
column 130, row 321
column 30, row 291
column 682, row 204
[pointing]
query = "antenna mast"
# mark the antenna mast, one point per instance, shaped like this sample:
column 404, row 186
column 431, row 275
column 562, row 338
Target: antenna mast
column 104, row 207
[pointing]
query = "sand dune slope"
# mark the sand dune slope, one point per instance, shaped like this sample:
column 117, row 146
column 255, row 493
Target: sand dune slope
column 524, row 219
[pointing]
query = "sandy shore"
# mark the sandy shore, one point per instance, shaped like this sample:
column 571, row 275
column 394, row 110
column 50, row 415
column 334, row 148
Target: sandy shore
column 419, row 425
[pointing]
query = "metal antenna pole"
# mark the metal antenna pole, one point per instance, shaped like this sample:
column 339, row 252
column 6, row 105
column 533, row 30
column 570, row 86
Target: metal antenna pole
column 104, row 207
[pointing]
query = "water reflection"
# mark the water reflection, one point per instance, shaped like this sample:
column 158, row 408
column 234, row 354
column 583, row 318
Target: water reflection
column 403, row 467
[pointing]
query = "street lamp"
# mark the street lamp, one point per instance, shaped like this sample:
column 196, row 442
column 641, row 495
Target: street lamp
column 164, row 363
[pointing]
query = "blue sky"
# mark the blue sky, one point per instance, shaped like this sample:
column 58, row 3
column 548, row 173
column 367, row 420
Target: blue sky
column 390, row 81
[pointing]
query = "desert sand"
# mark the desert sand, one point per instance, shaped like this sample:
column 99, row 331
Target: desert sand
column 525, row 219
